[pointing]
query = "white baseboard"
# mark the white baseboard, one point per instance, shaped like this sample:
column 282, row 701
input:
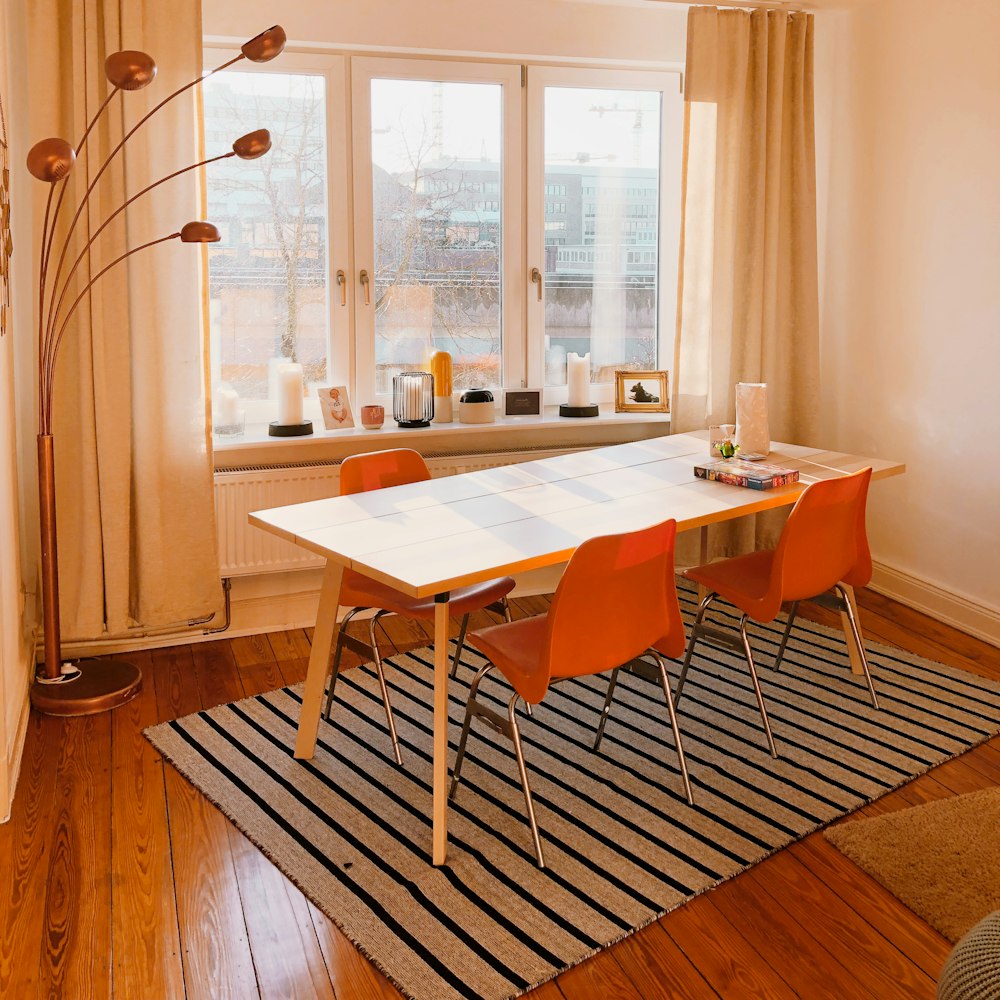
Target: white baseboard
column 15, row 754
column 953, row 609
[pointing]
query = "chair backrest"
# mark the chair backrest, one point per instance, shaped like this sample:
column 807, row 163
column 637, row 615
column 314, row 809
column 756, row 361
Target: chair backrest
column 824, row 540
column 615, row 600
column 379, row 469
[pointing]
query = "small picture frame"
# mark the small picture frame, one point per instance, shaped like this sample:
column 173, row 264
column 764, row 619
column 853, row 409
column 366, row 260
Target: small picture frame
column 522, row 402
column 336, row 407
column 642, row 392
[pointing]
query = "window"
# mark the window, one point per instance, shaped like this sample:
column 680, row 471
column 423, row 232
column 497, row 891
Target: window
column 432, row 245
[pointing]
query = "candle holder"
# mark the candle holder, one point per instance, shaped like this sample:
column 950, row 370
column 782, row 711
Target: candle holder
column 274, row 429
column 413, row 399
column 578, row 388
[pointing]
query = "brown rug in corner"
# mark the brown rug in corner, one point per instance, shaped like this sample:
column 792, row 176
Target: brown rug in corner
column 941, row 859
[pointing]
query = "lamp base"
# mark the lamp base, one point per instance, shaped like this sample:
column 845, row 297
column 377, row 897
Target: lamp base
column 590, row 410
column 98, row 686
column 275, row 429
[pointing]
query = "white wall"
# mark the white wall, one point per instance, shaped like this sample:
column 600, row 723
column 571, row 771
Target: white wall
column 562, row 29
column 908, row 114
column 15, row 646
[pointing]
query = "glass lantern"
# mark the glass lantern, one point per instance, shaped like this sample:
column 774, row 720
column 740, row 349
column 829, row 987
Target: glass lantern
column 413, row 399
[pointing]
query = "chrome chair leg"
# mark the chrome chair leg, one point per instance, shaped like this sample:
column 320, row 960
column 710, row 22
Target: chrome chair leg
column 381, row 680
column 852, row 619
column 664, row 680
column 784, row 635
column 460, row 645
column 702, row 608
column 466, row 725
column 525, row 787
column 612, row 681
column 335, row 672
column 756, row 685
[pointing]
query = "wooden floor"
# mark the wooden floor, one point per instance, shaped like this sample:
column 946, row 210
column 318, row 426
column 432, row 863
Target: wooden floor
column 119, row 879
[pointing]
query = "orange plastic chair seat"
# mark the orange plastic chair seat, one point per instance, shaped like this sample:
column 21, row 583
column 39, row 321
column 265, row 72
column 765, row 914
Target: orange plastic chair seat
column 359, row 591
column 742, row 581
column 516, row 651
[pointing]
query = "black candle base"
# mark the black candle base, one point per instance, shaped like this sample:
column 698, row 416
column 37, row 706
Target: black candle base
column 590, row 410
column 413, row 423
column 289, row 430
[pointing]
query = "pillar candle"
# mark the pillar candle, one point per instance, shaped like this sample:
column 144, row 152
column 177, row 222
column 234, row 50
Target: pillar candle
column 578, row 379
column 290, row 394
column 227, row 407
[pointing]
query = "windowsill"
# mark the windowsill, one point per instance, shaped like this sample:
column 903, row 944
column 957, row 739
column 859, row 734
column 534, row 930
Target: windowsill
column 256, row 447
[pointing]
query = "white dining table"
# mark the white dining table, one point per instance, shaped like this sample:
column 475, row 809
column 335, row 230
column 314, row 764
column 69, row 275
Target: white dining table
column 428, row 538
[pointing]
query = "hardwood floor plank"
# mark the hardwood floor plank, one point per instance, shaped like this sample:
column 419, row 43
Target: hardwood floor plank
column 290, row 645
column 76, row 960
column 891, row 918
column 283, row 940
column 657, row 967
column 25, row 843
column 783, row 942
column 842, row 931
column 721, row 953
column 146, row 946
column 599, row 978
column 217, row 961
column 250, row 649
column 353, row 976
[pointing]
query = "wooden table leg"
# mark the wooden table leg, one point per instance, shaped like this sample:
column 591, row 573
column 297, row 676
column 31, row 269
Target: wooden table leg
column 319, row 660
column 441, row 665
column 852, row 648
column 702, row 558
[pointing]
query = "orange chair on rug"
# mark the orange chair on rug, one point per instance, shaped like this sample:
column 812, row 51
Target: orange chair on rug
column 823, row 547
column 374, row 471
column 610, row 607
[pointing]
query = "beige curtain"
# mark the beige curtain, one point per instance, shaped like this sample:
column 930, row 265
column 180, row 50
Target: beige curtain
column 137, row 544
column 748, row 301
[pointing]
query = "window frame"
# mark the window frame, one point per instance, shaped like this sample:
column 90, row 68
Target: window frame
column 363, row 70
column 350, row 237
column 668, row 82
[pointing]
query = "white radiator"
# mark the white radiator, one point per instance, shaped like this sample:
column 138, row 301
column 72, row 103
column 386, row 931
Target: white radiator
column 245, row 550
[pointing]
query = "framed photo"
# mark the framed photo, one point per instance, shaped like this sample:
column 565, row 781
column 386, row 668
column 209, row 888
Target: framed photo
column 522, row 402
column 336, row 407
column 642, row 392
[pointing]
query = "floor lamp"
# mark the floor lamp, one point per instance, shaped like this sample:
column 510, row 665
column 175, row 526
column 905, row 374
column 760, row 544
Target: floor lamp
column 96, row 685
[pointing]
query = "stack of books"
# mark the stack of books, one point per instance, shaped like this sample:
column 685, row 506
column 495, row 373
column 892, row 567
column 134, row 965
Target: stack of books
column 754, row 475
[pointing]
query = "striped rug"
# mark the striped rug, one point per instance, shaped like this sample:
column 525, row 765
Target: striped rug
column 622, row 846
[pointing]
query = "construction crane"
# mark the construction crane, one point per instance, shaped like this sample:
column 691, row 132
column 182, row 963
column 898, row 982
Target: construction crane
column 603, row 109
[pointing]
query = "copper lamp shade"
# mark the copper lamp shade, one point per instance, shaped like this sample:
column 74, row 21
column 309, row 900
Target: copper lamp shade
column 129, row 69
column 50, row 160
column 200, row 232
column 253, row 144
column 265, row 46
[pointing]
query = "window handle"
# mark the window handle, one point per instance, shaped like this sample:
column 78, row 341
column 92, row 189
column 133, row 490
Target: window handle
column 342, row 281
column 366, row 282
column 536, row 277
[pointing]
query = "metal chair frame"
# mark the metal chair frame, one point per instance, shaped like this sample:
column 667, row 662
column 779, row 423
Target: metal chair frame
column 508, row 727
column 370, row 651
column 717, row 637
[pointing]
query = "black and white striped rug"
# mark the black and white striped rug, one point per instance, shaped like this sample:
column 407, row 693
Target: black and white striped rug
column 621, row 844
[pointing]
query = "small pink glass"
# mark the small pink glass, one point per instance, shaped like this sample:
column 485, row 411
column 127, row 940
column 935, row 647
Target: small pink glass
column 372, row 417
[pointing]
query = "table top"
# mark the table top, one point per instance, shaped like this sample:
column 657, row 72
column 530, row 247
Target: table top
column 426, row 538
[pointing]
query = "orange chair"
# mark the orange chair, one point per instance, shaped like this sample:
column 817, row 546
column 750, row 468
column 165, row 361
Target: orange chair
column 823, row 547
column 610, row 607
column 374, row 471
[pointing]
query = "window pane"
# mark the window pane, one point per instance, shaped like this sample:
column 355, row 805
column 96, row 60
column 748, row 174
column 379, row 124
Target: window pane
column 437, row 198
column 268, row 275
column 602, row 152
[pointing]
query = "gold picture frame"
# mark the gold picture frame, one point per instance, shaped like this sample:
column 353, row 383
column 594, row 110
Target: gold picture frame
column 629, row 384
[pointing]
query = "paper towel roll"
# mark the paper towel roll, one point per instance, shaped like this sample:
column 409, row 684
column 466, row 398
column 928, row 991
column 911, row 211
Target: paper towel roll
column 752, row 433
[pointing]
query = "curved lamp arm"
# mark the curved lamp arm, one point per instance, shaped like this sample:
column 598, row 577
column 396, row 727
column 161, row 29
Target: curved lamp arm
column 261, row 48
column 248, row 147
column 193, row 232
